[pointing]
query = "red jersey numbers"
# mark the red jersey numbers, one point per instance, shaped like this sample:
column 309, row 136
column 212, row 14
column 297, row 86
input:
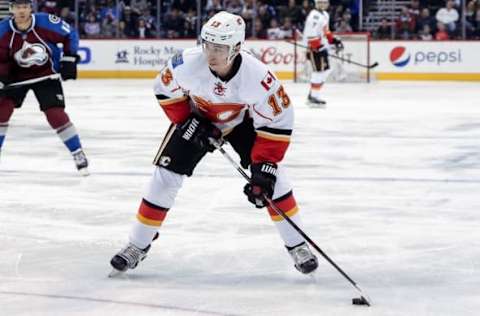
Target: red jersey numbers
column 215, row 24
column 167, row 77
column 279, row 101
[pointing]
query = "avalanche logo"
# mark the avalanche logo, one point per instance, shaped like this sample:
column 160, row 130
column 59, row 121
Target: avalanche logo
column 399, row 56
column 31, row 54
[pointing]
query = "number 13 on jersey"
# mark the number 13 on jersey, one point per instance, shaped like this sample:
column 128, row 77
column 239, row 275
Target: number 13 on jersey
column 278, row 101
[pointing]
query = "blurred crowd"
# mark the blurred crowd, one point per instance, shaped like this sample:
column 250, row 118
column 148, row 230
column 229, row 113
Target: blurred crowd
column 265, row 19
column 432, row 20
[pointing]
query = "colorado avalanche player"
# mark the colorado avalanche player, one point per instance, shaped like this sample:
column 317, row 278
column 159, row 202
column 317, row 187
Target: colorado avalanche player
column 31, row 60
column 317, row 37
column 219, row 91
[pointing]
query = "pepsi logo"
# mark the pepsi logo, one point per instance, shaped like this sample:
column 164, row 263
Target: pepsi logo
column 399, row 56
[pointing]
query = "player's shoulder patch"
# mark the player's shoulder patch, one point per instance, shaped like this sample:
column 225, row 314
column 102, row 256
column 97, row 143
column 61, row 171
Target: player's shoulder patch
column 54, row 19
column 268, row 81
column 177, row 60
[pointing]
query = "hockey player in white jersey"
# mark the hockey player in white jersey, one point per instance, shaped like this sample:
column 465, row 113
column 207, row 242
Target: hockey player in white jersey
column 219, row 91
column 318, row 38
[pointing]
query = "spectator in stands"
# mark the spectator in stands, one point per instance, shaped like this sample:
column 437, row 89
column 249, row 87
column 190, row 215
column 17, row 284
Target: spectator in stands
column 234, row 6
column 343, row 25
column 138, row 6
column 426, row 33
column 129, row 18
column 287, row 28
column 264, row 13
column 260, row 32
column 191, row 24
column 384, row 30
column 185, row 5
column 92, row 27
column 425, row 19
column 143, row 31
column 448, row 16
column 149, row 20
column 470, row 18
column 441, row 34
column 67, row 15
column 274, row 32
column 121, row 30
column 49, row 7
column 294, row 13
column 214, row 6
column 477, row 24
column 405, row 25
column 109, row 27
column 174, row 23
column 414, row 9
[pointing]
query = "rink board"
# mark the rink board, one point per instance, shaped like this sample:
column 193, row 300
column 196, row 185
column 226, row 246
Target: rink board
column 398, row 60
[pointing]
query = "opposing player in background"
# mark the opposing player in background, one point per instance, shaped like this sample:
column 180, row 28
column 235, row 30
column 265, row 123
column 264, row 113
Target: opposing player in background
column 29, row 53
column 219, row 91
column 318, row 38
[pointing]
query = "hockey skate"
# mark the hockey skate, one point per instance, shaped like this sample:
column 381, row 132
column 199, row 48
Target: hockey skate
column 128, row 258
column 81, row 162
column 314, row 102
column 305, row 261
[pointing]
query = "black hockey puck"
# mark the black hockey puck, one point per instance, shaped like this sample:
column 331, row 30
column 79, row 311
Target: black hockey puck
column 360, row 301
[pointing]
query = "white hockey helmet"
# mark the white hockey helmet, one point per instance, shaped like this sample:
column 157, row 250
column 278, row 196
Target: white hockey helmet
column 226, row 29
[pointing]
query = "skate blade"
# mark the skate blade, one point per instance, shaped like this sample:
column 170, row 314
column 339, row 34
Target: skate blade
column 114, row 273
column 316, row 105
column 84, row 172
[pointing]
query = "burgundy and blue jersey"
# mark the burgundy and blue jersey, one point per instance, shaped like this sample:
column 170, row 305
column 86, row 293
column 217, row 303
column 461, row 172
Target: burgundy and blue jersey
column 35, row 52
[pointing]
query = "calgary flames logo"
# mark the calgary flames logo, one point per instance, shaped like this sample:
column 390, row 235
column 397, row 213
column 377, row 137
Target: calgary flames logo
column 219, row 89
column 31, row 54
column 218, row 112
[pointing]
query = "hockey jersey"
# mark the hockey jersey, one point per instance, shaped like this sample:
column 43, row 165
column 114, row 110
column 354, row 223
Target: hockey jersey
column 187, row 84
column 317, row 26
column 35, row 52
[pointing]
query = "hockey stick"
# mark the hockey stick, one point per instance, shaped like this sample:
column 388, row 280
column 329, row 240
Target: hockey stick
column 375, row 64
column 29, row 81
column 364, row 298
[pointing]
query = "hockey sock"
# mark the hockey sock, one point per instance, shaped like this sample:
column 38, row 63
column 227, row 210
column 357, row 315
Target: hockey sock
column 289, row 206
column 316, row 82
column 149, row 219
column 6, row 110
column 59, row 120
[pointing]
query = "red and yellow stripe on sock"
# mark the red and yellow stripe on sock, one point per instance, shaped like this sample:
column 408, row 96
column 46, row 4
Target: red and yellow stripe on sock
column 151, row 214
column 287, row 204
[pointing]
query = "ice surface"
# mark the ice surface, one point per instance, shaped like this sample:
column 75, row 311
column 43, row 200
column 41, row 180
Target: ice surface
column 387, row 177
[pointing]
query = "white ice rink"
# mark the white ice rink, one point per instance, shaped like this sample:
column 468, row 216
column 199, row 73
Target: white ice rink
column 387, row 178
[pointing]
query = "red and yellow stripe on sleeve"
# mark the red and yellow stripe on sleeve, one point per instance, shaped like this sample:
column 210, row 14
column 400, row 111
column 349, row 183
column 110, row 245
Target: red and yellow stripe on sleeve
column 270, row 144
column 151, row 214
column 177, row 109
column 287, row 204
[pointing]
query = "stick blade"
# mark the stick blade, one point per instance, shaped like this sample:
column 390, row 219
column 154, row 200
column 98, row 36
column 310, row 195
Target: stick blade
column 375, row 64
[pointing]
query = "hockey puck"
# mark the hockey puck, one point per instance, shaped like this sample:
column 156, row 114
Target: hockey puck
column 360, row 301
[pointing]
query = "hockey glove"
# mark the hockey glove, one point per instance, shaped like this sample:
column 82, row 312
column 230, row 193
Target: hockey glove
column 197, row 131
column 338, row 44
column 264, row 176
column 68, row 66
